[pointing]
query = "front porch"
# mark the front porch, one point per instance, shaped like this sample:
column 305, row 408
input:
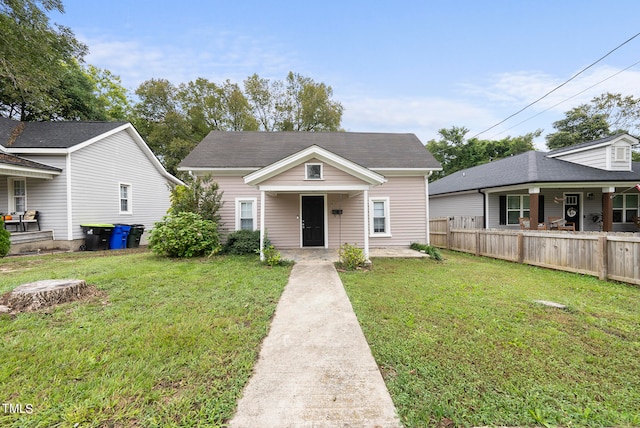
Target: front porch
column 32, row 242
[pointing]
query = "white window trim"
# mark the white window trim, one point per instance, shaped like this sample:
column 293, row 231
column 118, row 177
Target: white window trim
column 625, row 208
column 129, row 198
column 254, row 212
column 11, row 205
column 618, row 151
column 521, row 209
column 306, row 171
column 387, row 218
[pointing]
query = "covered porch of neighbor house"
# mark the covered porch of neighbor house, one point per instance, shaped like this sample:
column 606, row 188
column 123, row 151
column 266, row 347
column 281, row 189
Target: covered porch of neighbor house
column 607, row 207
column 17, row 175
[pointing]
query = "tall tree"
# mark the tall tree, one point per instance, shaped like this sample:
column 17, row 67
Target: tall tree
column 111, row 95
column 606, row 114
column 34, row 58
column 455, row 153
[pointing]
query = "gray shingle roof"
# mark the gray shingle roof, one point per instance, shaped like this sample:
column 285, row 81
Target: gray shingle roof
column 529, row 167
column 258, row 149
column 8, row 159
column 52, row 135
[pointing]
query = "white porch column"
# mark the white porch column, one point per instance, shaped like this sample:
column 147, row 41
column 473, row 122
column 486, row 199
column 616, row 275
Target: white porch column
column 262, row 226
column 366, row 224
column 426, row 211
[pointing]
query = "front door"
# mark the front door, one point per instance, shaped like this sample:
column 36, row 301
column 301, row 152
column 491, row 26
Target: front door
column 572, row 208
column 313, row 221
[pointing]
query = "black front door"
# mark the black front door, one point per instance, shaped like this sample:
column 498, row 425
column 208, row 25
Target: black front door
column 313, row 221
column 572, row 208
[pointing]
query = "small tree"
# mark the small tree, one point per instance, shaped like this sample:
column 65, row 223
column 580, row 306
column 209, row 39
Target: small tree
column 185, row 235
column 5, row 242
column 199, row 195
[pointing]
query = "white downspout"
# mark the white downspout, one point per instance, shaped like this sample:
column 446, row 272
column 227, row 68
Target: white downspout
column 426, row 191
column 366, row 224
column 262, row 225
column 69, row 199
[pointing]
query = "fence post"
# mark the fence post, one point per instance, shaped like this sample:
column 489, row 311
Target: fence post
column 520, row 247
column 448, row 234
column 604, row 257
column 477, row 242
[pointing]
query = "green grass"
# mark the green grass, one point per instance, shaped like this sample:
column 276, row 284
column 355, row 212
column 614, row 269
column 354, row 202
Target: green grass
column 463, row 340
column 168, row 343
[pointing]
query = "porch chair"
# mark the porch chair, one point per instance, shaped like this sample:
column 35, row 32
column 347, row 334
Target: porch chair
column 15, row 221
column 525, row 224
column 30, row 216
column 559, row 223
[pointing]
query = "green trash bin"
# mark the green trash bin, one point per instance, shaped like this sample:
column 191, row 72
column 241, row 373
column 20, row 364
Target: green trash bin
column 135, row 234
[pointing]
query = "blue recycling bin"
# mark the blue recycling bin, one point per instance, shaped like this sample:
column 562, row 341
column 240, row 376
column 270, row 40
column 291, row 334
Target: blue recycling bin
column 119, row 235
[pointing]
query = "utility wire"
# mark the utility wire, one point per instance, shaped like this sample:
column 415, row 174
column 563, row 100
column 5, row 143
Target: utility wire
column 559, row 86
column 565, row 100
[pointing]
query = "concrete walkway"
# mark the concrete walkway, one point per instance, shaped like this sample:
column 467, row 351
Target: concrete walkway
column 315, row 368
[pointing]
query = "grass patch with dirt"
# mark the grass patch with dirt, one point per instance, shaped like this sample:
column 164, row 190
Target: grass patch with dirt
column 164, row 342
column 462, row 343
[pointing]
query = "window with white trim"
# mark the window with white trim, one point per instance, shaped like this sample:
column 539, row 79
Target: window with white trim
column 625, row 208
column 246, row 213
column 517, row 206
column 379, row 218
column 125, row 198
column 17, row 195
column 621, row 154
column 313, row 171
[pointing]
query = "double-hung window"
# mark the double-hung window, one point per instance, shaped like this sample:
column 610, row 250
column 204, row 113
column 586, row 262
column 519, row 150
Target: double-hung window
column 125, row 199
column 625, row 208
column 17, row 195
column 379, row 223
column 246, row 209
column 517, row 206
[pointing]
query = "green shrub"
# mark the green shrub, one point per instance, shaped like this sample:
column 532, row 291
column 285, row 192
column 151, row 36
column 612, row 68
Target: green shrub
column 433, row 252
column 351, row 257
column 272, row 257
column 185, row 234
column 5, row 242
column 243, row 242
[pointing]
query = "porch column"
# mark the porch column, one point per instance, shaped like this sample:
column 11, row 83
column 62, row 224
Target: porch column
column 262, row 226
column 534, row 207
column 607, row 208
column 366, row 224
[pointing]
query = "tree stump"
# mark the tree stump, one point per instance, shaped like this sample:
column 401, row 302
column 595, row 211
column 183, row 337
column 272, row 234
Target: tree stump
column 39, row 294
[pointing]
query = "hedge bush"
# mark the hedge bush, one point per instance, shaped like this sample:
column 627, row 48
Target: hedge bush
column 185, row 234
column 5, row 242
column 243, row 242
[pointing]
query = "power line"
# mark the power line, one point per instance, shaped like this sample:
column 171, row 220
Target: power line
column 559, row 86
column 566, row 99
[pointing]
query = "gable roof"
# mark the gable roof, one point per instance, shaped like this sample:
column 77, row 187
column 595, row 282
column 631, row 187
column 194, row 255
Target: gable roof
column 591, row 144
column 529, row 167
column 50, row 135
column 253, row 150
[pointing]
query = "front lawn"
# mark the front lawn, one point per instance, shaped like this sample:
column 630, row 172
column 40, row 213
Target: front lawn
column 165, row 343
column 462, row 343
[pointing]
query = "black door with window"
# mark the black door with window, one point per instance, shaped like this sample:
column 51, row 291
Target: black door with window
column 572, row 208
column 313, row 221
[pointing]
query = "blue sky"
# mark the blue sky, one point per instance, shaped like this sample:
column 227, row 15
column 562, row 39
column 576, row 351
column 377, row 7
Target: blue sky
column 396, row 66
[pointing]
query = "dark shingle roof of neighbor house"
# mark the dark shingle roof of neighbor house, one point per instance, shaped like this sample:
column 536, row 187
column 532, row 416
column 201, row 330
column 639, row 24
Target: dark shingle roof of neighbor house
column 51, row 135
column 529, row 167
column 8, row 159
column 222, row 149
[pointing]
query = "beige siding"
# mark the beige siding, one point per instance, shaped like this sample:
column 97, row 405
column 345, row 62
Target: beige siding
column 296, row 176
column 407, row 201
column 232, row 188
column 97, row 171
column 348, row 227
column 282, row 220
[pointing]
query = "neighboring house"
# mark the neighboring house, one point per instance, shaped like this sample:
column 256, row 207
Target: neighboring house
column 590, row 184
column 75, row 173
column 320, row 189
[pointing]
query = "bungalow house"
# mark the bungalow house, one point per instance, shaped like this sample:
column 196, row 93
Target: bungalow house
column 589, row 185
column 74, row 173
column 320, row 189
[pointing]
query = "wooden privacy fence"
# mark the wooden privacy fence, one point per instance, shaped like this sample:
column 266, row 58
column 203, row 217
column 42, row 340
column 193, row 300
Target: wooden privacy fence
column 607, row 255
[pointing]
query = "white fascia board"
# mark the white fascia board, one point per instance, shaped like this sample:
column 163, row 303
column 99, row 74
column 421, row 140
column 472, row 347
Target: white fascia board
column 218, row 172
column 405, row 172
column 632, row 141
column 36, row 151
column 318, row 188
column 22, row 171
column 318, row 153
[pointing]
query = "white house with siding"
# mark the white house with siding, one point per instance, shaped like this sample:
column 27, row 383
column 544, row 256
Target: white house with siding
column 320, row 189
column 76, row 173
column 591, row 185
